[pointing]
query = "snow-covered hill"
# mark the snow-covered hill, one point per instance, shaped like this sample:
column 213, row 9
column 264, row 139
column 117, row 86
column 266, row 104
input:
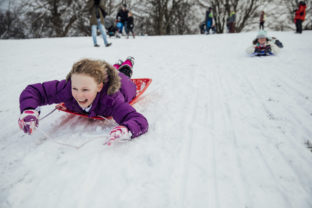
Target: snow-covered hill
column 226, row 130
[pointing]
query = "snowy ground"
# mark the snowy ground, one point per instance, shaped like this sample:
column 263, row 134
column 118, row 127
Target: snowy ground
column 226, row 130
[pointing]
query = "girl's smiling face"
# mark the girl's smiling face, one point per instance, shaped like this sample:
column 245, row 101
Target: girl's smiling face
column 84, row 89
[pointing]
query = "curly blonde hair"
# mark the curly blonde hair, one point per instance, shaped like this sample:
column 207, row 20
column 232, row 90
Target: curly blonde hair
column 101, row 71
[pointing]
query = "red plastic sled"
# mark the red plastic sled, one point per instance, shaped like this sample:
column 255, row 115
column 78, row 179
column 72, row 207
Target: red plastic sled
column 141, row 85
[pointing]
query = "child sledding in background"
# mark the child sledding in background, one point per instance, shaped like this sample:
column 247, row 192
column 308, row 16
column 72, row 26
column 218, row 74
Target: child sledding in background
column 110, row 26
column 263, row 46
column 94, row 88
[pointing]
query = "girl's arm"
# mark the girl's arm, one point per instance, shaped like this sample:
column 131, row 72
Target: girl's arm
column 274, row 48
column 125, row 115
column 39, row 94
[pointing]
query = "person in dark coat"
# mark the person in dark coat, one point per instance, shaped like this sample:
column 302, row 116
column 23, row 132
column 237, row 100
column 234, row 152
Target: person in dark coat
column 92, row 87
column 97, row 13
column 130, row 25
column 122, row 17
column 300, row 16
column 262, row 20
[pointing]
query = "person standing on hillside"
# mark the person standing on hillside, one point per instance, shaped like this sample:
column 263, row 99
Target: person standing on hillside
column 232, row 21
column 300, row 16
column 97, row 12
column 122, row 17
column 130, row 25
column 208, row 20
column 262, row 20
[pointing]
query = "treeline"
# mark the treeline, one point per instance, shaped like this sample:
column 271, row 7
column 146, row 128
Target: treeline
column 61, row 18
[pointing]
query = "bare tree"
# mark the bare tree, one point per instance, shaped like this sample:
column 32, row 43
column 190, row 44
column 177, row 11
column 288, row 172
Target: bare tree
column 11, row 24
column 59, row 18
column 244, row 9
column 166, row 17
column 53, row 17
column 182, row 23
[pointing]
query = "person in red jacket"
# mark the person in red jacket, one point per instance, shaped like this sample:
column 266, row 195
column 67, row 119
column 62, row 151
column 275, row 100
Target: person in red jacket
column 300, row 16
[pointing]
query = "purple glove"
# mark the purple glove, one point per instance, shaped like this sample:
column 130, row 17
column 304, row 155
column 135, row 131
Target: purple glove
column 28, row 121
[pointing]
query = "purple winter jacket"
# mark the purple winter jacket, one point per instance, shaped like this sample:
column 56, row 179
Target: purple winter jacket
column 115, row 105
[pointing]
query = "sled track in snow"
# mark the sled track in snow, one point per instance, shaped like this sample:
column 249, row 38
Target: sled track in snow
column 197, row 138
column 276, row 153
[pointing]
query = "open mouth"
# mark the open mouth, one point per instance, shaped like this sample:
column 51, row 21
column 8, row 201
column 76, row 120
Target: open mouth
column 82, row 102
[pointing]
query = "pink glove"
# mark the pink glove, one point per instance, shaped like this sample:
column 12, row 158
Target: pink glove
column 120, row 134
column 28, row 121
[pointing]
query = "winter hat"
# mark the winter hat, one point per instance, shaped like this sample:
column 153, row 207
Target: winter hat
column 262, row 34
column 302, row 3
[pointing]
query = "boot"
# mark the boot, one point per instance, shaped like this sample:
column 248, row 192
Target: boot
column 126, row 66
column 118, row 63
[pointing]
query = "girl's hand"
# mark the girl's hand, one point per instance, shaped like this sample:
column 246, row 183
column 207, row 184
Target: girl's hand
column 28, row 121
column 120, row 134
